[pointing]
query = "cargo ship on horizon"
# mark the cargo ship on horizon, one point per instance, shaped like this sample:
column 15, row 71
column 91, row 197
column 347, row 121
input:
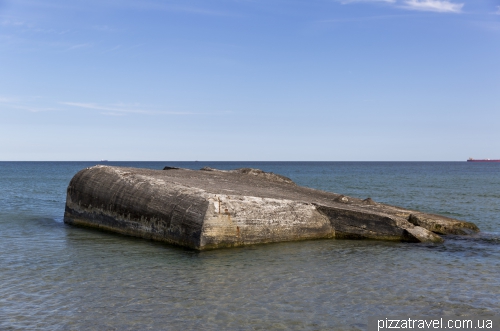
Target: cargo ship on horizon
column 481, row 160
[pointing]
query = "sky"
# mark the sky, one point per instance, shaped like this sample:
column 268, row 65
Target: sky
column 249, row 80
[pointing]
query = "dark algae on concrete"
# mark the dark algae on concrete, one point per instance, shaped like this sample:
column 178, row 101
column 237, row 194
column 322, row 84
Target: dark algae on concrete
column 210, row 208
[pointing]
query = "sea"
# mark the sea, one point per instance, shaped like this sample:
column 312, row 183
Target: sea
column 58, row 277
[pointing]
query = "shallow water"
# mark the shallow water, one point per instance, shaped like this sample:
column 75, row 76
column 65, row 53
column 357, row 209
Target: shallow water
column 58, row 277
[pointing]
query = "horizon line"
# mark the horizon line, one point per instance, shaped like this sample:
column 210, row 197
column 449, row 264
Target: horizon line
column 197, row 161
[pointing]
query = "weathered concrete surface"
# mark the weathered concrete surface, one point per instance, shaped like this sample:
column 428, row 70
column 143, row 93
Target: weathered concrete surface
column 211, row 208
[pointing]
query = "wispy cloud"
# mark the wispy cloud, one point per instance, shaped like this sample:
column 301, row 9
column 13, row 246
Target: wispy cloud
column 344, row 2
column 151, row 5
column 493, row 26
column 36, row 104
column 104, row 28
column 34, row 109
column 121, row 109
column 498, row 10
column 113, row 108
column 113, row 49
column 201, row 8
column 364, row 18
column 441, row 6
column 198, row 11
column 112, row 114
column 5, row 99
column 49, row 4
column 25, row 27
column 10, row 22
column 77, row 46
column 16, row 103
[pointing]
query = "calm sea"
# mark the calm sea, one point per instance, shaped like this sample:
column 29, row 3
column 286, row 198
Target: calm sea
column 58, row 277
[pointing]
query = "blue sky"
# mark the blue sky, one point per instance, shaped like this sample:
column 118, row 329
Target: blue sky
column 318, row 80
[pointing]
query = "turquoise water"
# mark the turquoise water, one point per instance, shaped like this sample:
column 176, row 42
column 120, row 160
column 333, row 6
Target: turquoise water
column 57, row 277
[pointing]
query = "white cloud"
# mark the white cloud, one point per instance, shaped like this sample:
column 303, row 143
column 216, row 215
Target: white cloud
column 10, row 22
column 488, row 25
column 113, row 49
column 121, row 109
column 498, row 10
column 364, row 18
column 113, row 109
column 24, row 104
column 352, row 1
column 155, row 5
column 4, row 99
column 79, row 46
column 442, row 6
column 104, row 28
column 37, row 104
column 112, row 114
column 34, row 109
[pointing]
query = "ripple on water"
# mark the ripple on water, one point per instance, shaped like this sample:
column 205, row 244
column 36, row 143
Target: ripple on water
column 56, row 277
column 90, row 279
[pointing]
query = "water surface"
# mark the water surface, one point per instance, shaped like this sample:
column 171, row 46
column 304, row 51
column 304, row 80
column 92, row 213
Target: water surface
column 58, row 277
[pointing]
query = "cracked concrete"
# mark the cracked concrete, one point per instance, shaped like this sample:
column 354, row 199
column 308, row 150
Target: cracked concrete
column 210, row 208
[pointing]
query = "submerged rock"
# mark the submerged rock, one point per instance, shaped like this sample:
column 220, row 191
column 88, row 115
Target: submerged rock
column 212, row 208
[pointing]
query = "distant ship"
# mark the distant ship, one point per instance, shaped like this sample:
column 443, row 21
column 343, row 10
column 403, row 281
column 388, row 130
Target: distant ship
column 481, row 160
